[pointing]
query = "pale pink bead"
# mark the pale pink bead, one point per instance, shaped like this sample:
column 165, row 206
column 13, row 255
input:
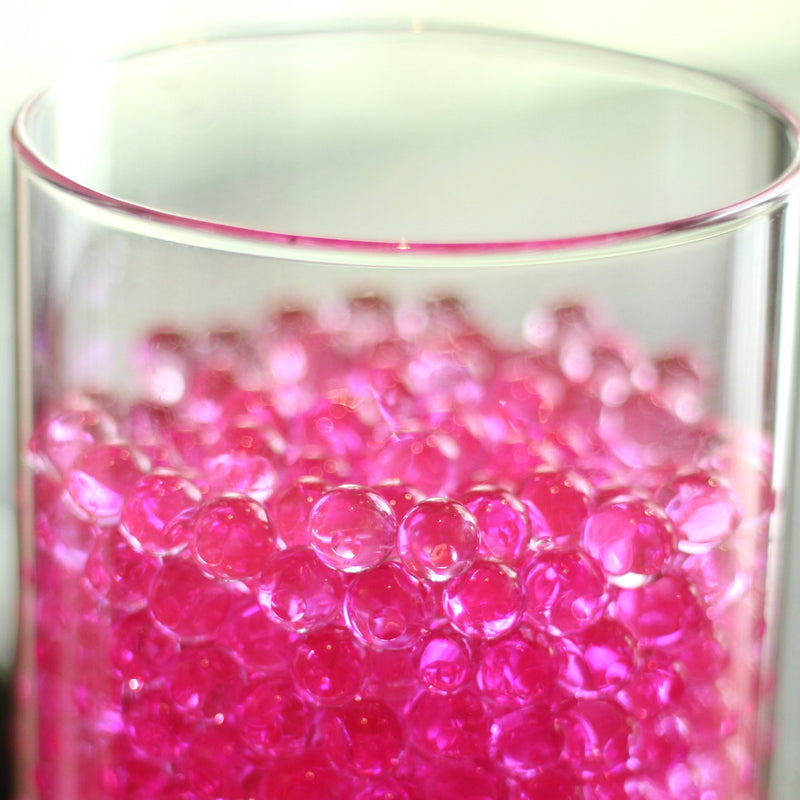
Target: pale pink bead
column 505, row 528
column 273, row 720
column 352, row 528
column 157, row 499
column 206, row 748
column 328, row 666
column 519, row 669
column 558, row 502
column 703, row 508
column 597, row 737
column 484, row 602
column 632, row 539
column 400, row 497
column 120, row 576
column 335, row 427
column 154, row 724
column 186, row 603
column 101, row 477
column 363, row 737
column 387, row 608
column 205, row 682
column 526, row 741
column 298, row 591
column 451, row 725
column 438, row 539
column 249, row 474
column 233, row 537
column 163, row 363
column 58, row 531
column 656, row 685
column 290, row 509
column 661, row 612
column 565, row 590
column 443, row 662
column 308, row 776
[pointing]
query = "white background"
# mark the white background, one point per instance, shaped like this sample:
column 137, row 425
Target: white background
column 758, row 42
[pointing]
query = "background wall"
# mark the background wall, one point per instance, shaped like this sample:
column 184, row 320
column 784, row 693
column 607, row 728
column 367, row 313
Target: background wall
column 757, row 42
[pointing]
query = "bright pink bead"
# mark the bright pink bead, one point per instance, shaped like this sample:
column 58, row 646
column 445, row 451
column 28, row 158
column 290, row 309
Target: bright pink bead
column 308, row 776
column 463, row 781
column 298, row 591
column 157, row 499
column 597, row 737
column 232, row 537
column 703, row 508
column 328, row 666
column 205, row 682
column 250, row 474
column 120, row 575
column 335, row 427
column 438, row 539
column 155, row 726
column 363, row 737
column 558, row 502
column 443, row 662
column 451, row 725
column 186, row 603
column 400, row 497
column 352, row 528
column 140, row 650
column 505, row 528
column 662, row 612
column 656, row 685
column 526, row 741
column 66, row 537
column 291, row 507
column 600, row 658
column 101, row 477
column 484, row 602
column 387, row 608
column 163, row 362
column 206, row 749
column 386, row 788
column 273, row 720
column 564, row 589
column 632, row 538
column 554, row 783
column 519, row 669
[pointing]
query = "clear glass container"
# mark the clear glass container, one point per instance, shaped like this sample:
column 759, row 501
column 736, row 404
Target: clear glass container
column 403, row 413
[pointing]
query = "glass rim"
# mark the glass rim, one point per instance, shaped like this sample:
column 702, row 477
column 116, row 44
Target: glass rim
column 705, row 223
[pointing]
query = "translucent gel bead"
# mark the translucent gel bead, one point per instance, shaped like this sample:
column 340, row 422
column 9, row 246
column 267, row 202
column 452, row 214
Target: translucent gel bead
column 558, row 502
column 298, row 591
column 249, row 474
column 443, row 662
column 518, row 670
column 465, row 782
column 526, row 741
column 682, row 382
column 140, row 651
column 205, row 682
column 600, row 658
column 662, row 612
column 101, row 478
column 554, row 783
column 163, row 364
column 352, row 528
column 120, row 575
column 484, row 602
column 565, row 590
column 703, row 508
column 273, row 720
column 186, row 603
column 308, row 776
column 655, row 685
column 206, row 749
column 387, row 608
column 400, row 497
column 631, row 538
column 328, row 666
column 62, row 436
column 291, row 507
column 451, row 725
column 335, row 427
column 154, row 725
column 157, row 499
column 597, row 737
column 58, row 531
column 505, row 529
column 386, row 788
column 438, row 539
column 232, row 537
column 363, row 737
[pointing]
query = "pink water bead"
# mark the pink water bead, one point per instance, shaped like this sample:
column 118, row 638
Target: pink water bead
column 632, row 538
column 328, row 666
column 186, row 603
column 386, row 608
column 251, row 474
column 553, row 783
column 157, row 499
column 363, row 737
column 298, row 591
column 565, row 590
column 102, row 476
column 703, row 508
column 205, row 682
column 484, row 602
column 233, row 537
column 558, row 502
column 141, row 651
column 443, row 662
column 655, row 686
column 503, row 522
column 520, row 669
column 352, row 528
column 438, row 539
column 163, row 362
column 290, row 509
column 526, row 741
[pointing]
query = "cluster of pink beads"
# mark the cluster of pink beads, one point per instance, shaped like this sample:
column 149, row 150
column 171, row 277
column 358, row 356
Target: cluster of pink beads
column 374, row 553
